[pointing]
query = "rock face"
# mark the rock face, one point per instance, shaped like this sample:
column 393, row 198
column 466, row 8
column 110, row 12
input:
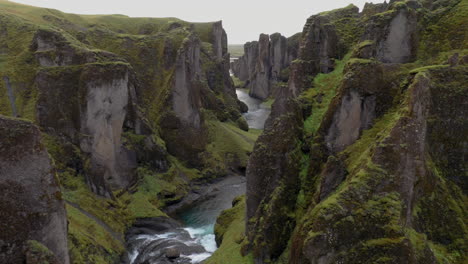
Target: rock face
column 396, row 42
column 320, row 45
column 280, row 166
column 184, row 124
column 116, row 98
column 262, row 65
column 402, row 165
column 365, row 165
column 96, row 121
column 219, row 40
column 31, row 203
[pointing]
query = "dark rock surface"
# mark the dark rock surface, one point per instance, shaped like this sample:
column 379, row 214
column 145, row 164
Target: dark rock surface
column 31, row 202
column 160, row 240
column 263, row 64
column 270, row 166
column 95, row 122
column 374, row 174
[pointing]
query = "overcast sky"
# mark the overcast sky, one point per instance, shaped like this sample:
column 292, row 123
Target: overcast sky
column 243, row 20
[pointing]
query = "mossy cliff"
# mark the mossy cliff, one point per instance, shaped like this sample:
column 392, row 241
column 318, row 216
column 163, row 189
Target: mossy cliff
column 361, row 160
column 33, row 219
column 131, row 111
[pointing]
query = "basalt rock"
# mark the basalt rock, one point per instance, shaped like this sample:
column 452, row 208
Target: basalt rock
column 31, row 200
column 378, row 168
column 182, row 128
column 88, row 104
column 264, row 63
column 394, row 34
column 401, row 176
column 272, row 175
column 320, row 45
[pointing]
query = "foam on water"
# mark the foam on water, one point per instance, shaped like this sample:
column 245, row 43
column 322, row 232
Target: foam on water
column 204, row 236
column 257, row 113
column 197, row 258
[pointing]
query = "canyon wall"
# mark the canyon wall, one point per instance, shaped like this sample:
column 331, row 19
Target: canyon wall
column 33, row 219
column 265, row 63
column 132, row 111
column 361, row 152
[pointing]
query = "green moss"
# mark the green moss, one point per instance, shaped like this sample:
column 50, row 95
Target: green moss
column 346, row 22
column 36, row 247
column 425, row 68
column 361, row 151
column 447, row 29
column 231, row 227
column 237, row 82
column 322, row 93
column 90, row 242
column 112, row 212
column 228, row 145
column 152, row 189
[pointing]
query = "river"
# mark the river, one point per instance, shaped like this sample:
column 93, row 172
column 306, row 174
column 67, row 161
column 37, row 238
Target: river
column 258, row 111
column 163, row 240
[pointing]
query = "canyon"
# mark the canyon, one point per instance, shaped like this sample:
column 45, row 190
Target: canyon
column 141, row 140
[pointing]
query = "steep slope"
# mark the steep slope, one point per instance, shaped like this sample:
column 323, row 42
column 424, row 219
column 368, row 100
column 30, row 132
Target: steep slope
column 264, row 67
column 363, row 158
column 131, row 110
column 33, row 218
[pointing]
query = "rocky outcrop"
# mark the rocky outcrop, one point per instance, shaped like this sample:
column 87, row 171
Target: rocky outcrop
column 95, row 121
column 394, row 34
column 320, row 45
column 375, row 170
column 359, row 102
column 182, row 128
column 399, row 179
column 262, row 65
column 219, row 40
column 273, row 175
column 31, row 202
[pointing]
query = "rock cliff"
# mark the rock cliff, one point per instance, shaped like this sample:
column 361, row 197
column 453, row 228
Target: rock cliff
column 33, row 211
column 87, row 104
column 265, row 63
column 364, row 149
column 135, row 113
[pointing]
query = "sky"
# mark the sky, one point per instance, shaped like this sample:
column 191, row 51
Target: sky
column 243, row 20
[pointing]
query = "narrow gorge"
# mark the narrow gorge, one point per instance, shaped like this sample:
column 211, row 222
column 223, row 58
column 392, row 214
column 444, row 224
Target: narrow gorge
column 139, row 140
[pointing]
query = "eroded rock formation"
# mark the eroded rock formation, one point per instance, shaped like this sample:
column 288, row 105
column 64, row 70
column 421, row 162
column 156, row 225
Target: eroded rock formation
column 265, row 63
column 33, row 211
column 369, row 157
column 88, row 104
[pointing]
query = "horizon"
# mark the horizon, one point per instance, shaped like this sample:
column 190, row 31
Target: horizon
column 239, row 31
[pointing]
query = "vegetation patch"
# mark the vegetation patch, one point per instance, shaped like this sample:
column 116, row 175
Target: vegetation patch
column 322, row 93
column 230, row 226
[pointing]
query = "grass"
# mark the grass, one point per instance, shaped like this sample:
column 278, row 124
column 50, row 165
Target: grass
column 116, row 23
column 324, row 87
column 112, row 212
column 226, row 140
column 90, row 242
column 233, row 229
column 445, row 33
column 237, row 82
column 236, row 50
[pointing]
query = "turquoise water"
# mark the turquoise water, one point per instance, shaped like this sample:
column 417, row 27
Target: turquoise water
column 201, row 218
